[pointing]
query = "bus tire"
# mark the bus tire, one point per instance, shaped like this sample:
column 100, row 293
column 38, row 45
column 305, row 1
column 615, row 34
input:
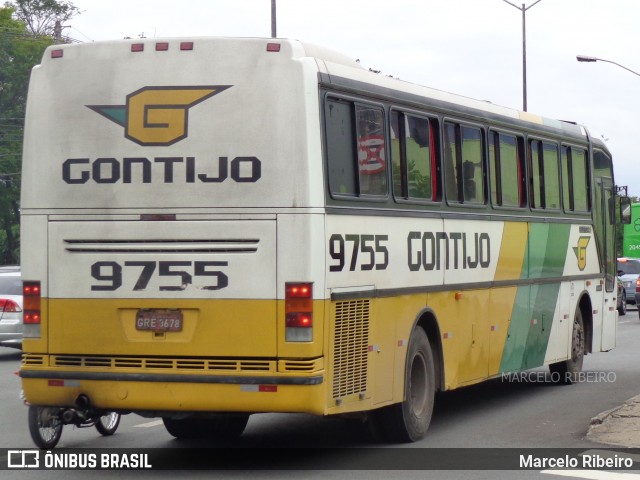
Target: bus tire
column 108, row 424
column 45, row 426
column 409, row 420
column 225, row 426
column 218, row 427
column 565, row 372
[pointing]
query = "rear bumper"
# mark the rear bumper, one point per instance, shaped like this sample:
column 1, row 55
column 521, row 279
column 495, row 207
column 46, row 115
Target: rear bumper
column 13, row 340
column 630, row 294
column 142, row 392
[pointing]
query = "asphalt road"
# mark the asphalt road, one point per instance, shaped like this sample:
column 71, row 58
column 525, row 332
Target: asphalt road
column 527, row 412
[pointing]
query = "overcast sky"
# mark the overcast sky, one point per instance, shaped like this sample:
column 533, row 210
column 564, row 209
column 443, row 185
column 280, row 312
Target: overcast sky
column 469, row 47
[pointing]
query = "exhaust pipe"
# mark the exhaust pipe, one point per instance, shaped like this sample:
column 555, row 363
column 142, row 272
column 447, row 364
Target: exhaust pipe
column 82, row 402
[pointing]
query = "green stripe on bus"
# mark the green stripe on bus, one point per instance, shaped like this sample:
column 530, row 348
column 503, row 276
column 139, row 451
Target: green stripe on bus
column 534, row 306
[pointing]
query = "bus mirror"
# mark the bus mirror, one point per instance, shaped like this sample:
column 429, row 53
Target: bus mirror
column 625, row 210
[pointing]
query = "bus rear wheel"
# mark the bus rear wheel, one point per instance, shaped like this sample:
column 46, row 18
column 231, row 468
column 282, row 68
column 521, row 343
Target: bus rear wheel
column 565, row 372
column 45, row 426
column 218, row 427
column 408, row 421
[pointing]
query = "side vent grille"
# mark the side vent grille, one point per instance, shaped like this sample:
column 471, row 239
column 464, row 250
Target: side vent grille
column 351, row 344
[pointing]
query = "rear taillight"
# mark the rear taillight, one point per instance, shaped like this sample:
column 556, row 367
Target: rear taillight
column 7, row 305
column 299, row 312
column 638, row 285
column 31, row 302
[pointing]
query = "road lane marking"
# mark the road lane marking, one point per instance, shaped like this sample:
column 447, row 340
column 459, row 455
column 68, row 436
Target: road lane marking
column 593, row 474
column 154, row 423
column 613, row 454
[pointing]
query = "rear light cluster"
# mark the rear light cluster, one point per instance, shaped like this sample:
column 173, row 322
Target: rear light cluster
column 8, row 305
column 31, row 302
column 638, row 285
column 299, row 312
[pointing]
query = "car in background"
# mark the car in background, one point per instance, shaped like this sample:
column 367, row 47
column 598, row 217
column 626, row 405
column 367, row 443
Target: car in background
column 629, row 271
column 11, row 327
column 621, row 305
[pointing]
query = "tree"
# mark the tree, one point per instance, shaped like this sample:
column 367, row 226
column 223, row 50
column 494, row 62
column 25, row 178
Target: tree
column 41, row 16
column 21, row 47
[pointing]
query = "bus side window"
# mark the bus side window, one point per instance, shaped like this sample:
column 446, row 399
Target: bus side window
column 371, row 159
column 414, row 157
column 464, row 166
column 340, row 148
column 545, row 180
column 574, row 180
column 356, row 149
column 551, row 176
column 507, row 170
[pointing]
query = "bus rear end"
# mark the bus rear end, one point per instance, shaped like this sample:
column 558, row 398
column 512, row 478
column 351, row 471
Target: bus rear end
column 166, row 184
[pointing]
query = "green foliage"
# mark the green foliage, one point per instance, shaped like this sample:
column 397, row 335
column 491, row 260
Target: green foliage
column 21, row 47
column 40, row 16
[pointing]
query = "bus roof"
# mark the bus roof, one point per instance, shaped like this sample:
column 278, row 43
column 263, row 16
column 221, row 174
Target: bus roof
column 339, row 65
column 336, row 64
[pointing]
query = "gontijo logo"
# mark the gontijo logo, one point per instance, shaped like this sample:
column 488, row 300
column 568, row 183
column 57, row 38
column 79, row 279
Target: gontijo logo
column 157, row 116
column 581, row 252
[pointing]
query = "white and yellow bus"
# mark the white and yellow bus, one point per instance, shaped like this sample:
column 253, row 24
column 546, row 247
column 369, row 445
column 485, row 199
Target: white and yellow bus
column 217, row 227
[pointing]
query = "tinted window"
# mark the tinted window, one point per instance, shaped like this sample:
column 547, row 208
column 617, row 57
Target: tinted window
column 464, row 171
column 575, row 186
column 413, row 157
column 507, row 170
column 340, row 148
column 356, row 149
column 629, row 268
column 11, row 285
column 371, row 150
column 545, row 179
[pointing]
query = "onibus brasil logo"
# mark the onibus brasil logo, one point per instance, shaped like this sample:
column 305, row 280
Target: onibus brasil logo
column 157, row 116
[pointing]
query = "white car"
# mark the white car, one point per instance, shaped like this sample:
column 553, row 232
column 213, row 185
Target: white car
column 11, row 327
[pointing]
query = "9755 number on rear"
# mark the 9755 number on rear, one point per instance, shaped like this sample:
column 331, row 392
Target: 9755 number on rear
column 180, row 275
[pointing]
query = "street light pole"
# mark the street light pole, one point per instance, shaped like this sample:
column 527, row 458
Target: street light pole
column 584, row 58
column 273, row 19
column 523, row 9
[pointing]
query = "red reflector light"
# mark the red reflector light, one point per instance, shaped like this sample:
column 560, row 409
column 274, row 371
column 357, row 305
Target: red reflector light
column 298, row 290
column 273, row 47
column 31, row 317
column 30, row 289
column 299, row 320
column 162, row 47
column 58, row 53
column 186, row 45
column 137, row 47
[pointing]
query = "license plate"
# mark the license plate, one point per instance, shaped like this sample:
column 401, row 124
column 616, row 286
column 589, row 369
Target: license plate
column 626, row 284
column 159, row 320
